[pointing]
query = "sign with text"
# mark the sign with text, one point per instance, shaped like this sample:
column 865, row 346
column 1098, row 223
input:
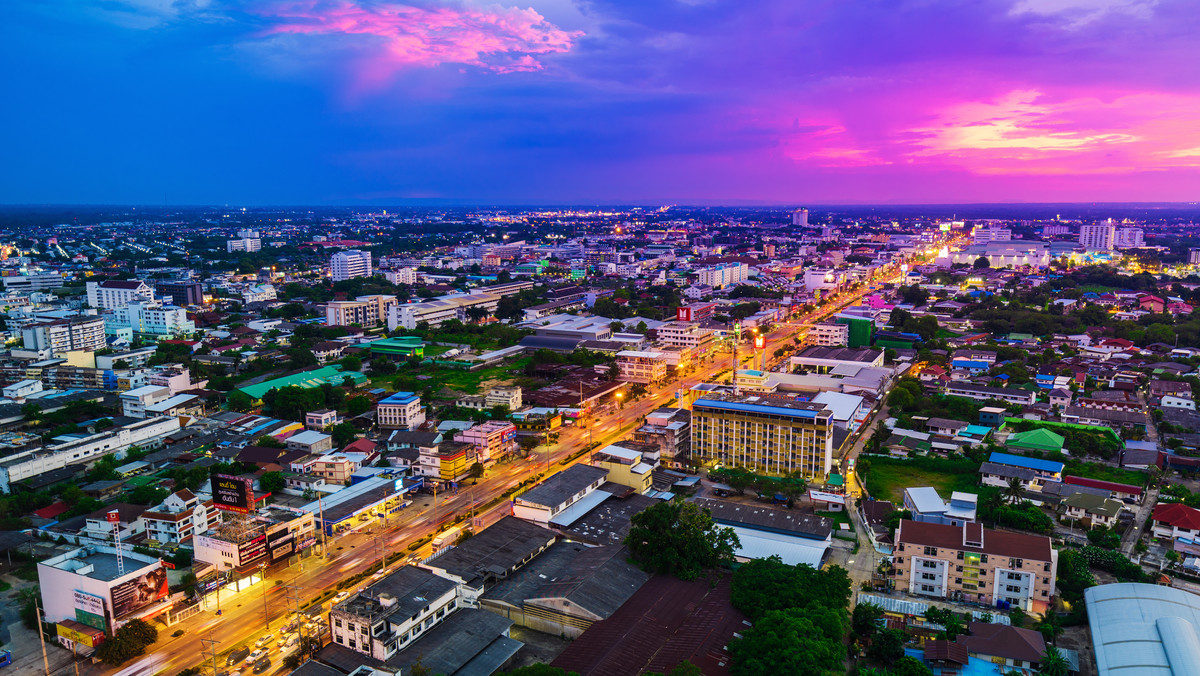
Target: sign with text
column 281, row 544
column 252, row 550
column 89, row 610
column 233, row 494
column 823, row 496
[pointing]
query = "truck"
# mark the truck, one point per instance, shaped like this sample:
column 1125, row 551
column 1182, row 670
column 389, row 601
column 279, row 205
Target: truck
column 447, row 538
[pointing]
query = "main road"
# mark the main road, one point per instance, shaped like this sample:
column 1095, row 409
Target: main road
column 264, row 607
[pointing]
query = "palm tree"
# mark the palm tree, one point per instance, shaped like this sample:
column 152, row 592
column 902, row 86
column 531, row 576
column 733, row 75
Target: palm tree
column 1050, row 624
column 991, row 505
column 1053, row 663
column 1015, row 490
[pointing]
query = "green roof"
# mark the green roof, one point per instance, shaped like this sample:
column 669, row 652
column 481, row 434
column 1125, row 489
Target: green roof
column 1040, row 439
column 835, row 480
column 334, row 375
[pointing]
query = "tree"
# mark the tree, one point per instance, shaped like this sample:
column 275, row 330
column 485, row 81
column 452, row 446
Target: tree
column 352, row 363
column 787, row 642
column 1053, row 663
column 909, row 666
column 762, row 585
column 982, row 263
column 1017, row 617
column 1014, row 490
column 343, row 434
column 129, row 641
column 679, row 539
column 1050, row 624
column 358, row 405
column 268, row 441
column 272, row 482
column 476, row 471
column 888, row 646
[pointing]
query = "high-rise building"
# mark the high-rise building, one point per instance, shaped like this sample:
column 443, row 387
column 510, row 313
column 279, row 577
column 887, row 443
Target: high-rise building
column 985, row 235
column 1130, row 238
column 154, row 318
column 345, row 265
column 182, row 293
column 365, row 311
column 65, row 335
column 725, row 274
column 1193, row 256
column 1099, row 237
column 800, row 218
column 114, row 294
column 764, row 436
column 247, row 240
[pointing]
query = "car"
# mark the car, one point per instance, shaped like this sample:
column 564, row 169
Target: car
column 341, row 596
column 379, row 574
column 236, row 656
column 286, row 639
column 262, row 665
column 265, row 640
column 291, row 641
column 255, row 656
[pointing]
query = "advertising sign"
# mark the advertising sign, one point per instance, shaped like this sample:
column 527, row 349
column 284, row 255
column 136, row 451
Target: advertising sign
column 822, row 496
column 139, row 592
column 232, row 493
column 759, row 341
column 281, row 544
column 252, row 550
column 72, row 634
column 113, row 517
column 89, row 610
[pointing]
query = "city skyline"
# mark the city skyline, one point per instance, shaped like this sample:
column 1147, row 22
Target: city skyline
column 555, row 102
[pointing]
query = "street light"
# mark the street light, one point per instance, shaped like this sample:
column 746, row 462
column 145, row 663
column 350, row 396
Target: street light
column 262, row 571
column 620, row 411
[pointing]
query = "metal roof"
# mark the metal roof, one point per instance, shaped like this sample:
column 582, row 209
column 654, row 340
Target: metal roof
column 1144, row 629
column 754, row 408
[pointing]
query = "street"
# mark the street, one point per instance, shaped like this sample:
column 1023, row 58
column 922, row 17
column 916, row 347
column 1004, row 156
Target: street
column 265, row 606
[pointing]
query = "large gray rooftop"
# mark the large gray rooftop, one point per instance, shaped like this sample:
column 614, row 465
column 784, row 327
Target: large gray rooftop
column 595, row 579
column 559, row 488
column 413, row 588
column 768, row 519
column 495, row 551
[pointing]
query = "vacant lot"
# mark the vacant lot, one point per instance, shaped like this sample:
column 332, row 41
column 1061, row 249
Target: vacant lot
column 461, row 380
column 886, row 478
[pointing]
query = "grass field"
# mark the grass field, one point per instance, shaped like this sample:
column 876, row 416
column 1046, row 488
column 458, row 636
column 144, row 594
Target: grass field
column 1095, row 470
column 886, row 478
column 460, row 380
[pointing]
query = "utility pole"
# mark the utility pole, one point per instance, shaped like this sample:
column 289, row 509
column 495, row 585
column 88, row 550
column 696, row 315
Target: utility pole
column 262, row 570
column 293, row 599
column 321, row 506
column 210, row 644
column 41, row 637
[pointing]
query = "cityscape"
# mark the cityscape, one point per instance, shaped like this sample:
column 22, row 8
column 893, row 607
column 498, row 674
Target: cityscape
column 566, row 338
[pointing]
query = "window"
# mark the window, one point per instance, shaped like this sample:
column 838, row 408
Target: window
column 928, row 576
column 931, row 551
column 1012, row 589
column 337, row 623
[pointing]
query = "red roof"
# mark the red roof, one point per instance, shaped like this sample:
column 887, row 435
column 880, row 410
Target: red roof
column 1177, row 514
column 360, row 446
column 52, row 511
column 995, row 542
column 1105, row 485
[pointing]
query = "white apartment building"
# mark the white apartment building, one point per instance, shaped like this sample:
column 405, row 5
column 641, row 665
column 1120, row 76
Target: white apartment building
column 259, row 293
column 180, row 517
column 687, row 336
column 134, row 402
column 1100, row 237
column 830, row 334
column 345, row 265
column 640, row 366
column 365, row 311
column 153, row 318
column 1130, row 238
column 819, row 279
column 114, row 294
column 392, row 613
column 401, row 276
column 723, row 275
column 985, row 235
column 65, row 335
column 800, row 218
column 114, row 440
column 504, row 396
column 247, row 240
column 401, row 410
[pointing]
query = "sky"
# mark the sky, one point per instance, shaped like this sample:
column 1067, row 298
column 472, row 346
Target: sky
column 788, row 102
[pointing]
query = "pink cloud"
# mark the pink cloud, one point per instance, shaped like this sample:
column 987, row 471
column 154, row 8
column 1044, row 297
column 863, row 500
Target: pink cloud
column 398, row 36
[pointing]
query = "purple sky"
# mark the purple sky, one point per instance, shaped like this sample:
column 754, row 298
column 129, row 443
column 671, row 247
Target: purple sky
column 613, row 101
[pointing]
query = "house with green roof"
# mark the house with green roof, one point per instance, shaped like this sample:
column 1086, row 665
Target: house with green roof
column 1036, row 440
column 333, row 374
column 399, row 347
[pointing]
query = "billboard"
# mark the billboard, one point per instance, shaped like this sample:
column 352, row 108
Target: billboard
column 232, row 493
column 81, row 637
column 139, row 592
column 89, row 610
column 252, row 550
column 281, row 544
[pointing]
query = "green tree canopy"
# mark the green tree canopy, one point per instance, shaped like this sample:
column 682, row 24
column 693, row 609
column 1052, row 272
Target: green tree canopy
column 677, row 538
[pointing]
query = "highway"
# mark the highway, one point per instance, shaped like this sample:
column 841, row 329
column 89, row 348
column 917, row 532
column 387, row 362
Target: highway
column 248, row 614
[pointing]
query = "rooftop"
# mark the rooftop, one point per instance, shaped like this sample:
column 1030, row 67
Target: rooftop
column 412, row 588
column 495, row 551
column 1143, row 629
column 995, row 542
column 767, row 519
column 560, row 487
column 1036, row 464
